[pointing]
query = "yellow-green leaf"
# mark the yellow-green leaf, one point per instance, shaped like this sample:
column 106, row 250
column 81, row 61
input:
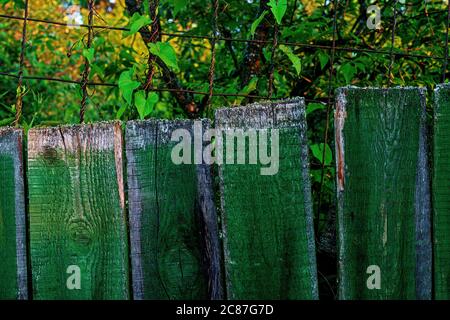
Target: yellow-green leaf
column 127, row 85
column 278, row 8
column 136, row 23
column 296, row 62
column 166, row 53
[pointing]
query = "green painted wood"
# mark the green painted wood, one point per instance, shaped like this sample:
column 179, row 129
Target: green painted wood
column 173, row 225
column 441, row 192
column 76, row 211
column 13, row 266
column 383, row 193
column 267, row 224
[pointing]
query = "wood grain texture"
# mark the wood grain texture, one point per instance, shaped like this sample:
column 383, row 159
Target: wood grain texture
column 173, row 224
column 13, row 265
column 267, row 224
column 383, row 192
column 76, row 208
column 441, row 192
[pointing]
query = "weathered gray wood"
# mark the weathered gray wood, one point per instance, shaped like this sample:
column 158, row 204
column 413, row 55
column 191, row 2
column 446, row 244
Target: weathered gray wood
column 13, row 265
column 173, row 224
column 383, row 192
column 267, row 221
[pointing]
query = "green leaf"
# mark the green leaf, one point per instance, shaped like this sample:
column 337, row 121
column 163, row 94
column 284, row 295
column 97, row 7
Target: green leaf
column 267, row 52
column 121, row 111
column 179, row 5
column 136, row 23
column 146, row 6
column 251, row 86
column 296, row 62
column 323, row 58
column 317, row 151
column 167, row 54
column 313, row 107
column 145, row 105
column 89, row 54
column 349, row 71
column 3, row 94
column 127, row 85
column 278, row 8
column 256, row 23
column 7, row 121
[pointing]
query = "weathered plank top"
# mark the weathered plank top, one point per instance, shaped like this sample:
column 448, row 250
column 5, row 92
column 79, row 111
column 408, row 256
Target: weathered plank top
column 276, row 114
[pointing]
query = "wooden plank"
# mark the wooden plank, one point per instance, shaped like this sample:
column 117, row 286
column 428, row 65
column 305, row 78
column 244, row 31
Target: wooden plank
column 267, row 219
column 13, row 266
column 441, row 192
column 173, row 226
column 77, row 215
column 383, row 194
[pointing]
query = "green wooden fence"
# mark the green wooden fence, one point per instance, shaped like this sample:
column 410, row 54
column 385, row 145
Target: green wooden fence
column 441, row 192
column 13, row 266
column 118, row 218
column 173, row 226
column 383, row 194
column 77, row 213
column 267, row 214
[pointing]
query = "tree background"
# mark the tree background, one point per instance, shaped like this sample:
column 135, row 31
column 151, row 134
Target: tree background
column 123, row 58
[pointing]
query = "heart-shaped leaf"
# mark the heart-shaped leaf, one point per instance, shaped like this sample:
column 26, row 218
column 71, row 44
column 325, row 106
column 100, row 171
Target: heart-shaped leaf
column 256, row 23
column 127, row 85
column 317, row 151
column 136, row 23
column 278, row 8
column 145, row 105
column 166, row 53
column 89, row 54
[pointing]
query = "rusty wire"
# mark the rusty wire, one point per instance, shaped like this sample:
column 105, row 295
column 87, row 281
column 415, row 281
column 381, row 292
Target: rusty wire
column 394, row 25
column 20, row 91
column 256, row 41
column 153, row 9
column 333, row 48
column 87, row 67
column 272, row 63
column 212, row 67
